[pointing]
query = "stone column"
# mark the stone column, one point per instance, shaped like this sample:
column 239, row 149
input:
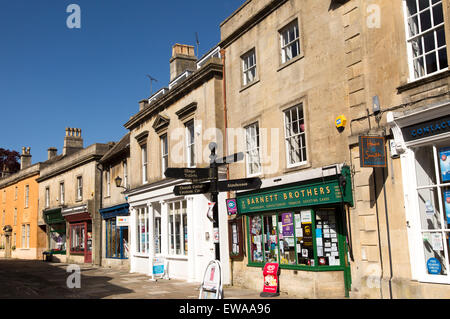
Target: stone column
column 191, row 242
column 151, row 238
column 132, row 244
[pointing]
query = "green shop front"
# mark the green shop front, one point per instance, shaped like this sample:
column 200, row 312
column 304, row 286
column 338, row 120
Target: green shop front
column 301, row 226
column 56, row 232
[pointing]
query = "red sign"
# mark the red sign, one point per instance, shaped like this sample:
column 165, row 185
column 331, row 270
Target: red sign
column 270, row 274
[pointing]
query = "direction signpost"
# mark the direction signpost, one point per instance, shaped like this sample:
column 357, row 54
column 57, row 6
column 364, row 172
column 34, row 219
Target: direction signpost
column 213, row 186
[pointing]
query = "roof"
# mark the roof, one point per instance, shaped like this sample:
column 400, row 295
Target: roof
column 118, row 149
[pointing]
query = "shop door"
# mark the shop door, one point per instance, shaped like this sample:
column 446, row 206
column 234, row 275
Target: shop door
column 88, row 245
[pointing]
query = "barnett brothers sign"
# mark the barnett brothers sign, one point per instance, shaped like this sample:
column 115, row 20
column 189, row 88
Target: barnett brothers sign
column 296, row 196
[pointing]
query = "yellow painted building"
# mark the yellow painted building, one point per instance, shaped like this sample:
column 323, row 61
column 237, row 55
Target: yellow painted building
column 19, row 209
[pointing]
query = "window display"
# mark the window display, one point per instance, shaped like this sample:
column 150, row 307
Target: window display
column 302, row 238
column 57, row 238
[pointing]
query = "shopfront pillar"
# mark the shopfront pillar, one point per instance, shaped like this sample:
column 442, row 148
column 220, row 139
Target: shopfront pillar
column 191, row 241
column 151, row 235
column 164, row 230
column 133, row 238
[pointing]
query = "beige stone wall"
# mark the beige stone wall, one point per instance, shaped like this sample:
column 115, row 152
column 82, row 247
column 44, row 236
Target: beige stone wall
column 116, row 195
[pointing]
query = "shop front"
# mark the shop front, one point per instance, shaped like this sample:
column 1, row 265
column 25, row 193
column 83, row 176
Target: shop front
column 302, row 227
column 422, row 138
column 56, row 232
column 80, row 234
column 115, row 222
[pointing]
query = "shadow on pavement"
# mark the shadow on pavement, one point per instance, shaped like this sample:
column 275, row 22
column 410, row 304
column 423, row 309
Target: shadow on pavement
column 34, row 279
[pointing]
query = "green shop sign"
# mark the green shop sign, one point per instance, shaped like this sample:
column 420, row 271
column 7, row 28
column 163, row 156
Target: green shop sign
column 327, row 192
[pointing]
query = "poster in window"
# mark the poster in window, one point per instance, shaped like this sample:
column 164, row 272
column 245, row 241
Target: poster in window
column 444, row 161
column 287, row 224
column 447, row 204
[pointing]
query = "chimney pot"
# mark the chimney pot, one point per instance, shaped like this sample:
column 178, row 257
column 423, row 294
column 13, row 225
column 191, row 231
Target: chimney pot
column 72, row 141
column 25, row 158
column 183, row 59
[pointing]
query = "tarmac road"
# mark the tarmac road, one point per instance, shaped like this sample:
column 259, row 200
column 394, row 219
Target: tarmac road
column 35, row 279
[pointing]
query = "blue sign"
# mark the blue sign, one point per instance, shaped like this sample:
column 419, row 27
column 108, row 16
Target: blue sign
column 372, row 152
column 447, row 204
column 434, row 266
column 444, row 163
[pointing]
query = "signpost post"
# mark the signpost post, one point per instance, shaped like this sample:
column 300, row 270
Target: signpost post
column 213, row 186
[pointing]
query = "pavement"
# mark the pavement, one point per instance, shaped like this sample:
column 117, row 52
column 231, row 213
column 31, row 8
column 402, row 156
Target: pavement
column 35, row 279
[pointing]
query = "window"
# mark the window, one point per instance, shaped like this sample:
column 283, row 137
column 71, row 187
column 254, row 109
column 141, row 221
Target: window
column 427, row 48
column 248, row 67
column 61, row 193
column 77, row 238
column 27, row 195
column 125, row 173
column 3, row 218
column 290, row 43
column 252, row 149
column 178, row 236
column 157, row 233
column 142, row 243
column 14, row 240
column 79, row 188
column 299, row 238
column 190, row 144
column 116, row 240
column 57, row 238
column 164, row 153
column 144, row 163
column 108, row 182
column 15, row 193
column 25, row 235
column 433, row 195
column 15, row 216
column 4, row 196
column 47, row 197
column 295, row 135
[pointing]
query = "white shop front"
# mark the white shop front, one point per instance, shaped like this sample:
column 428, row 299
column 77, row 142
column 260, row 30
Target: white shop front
column 422, row 139
column 175, row 229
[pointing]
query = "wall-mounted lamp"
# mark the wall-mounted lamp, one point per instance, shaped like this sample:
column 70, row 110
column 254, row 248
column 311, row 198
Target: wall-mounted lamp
column 118, row 181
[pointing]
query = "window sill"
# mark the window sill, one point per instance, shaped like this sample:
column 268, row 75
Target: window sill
column 288, row 63
column 422, row 81
column 245, row 87
column 296, row 167
column 177, row 257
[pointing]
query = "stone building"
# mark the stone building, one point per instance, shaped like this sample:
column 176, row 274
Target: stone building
column 173, row 129
column 19, row 211
column 69, row 200
column 114, row 207
column 295, row 67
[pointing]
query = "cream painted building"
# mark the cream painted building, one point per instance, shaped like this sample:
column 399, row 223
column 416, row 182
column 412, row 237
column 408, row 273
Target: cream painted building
column 173, row 129
column 69, row 200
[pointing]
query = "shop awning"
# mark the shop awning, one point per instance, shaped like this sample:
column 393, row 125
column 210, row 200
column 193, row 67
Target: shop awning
column 53, row 216
column 113, row 211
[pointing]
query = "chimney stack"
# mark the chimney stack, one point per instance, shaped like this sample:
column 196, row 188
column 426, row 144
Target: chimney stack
column 51, row 152
column 183, row 58
column 25, row 158
column 72, row 141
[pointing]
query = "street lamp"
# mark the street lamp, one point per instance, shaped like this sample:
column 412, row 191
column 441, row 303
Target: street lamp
column 118, row 181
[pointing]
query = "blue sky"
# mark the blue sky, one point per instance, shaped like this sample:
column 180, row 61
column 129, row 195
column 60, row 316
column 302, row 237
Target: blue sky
column 53, row 77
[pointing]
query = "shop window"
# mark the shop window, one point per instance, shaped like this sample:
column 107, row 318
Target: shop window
column 303, row 239
column 77, row 238
column 157, row 233
column 178, row 236
column 235, row 237
column 142, row 242
column 116, row 240
column 57, row 238
column 433, row 194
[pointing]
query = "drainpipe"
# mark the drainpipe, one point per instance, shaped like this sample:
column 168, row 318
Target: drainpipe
column 100, row 168
column 378, row 227
column 388, row 237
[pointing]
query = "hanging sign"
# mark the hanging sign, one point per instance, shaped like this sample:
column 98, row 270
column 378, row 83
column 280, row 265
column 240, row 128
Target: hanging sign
column 231, row 206
column 372, row 152
column 271, row 287
column 122, row 221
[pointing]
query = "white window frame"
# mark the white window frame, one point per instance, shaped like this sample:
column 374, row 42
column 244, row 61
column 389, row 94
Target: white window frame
column 171, row 228
column 252, row 146
column 27, row 195
column 125, row 173
column 285, row 31
column 108, row 182
column 15, row 216
column 61, row 193
column 27, row 227
column 421, row 36
column 79, row 187
column 47, row 197
column 248, row 68
column 23, row 237
column 142, row 243
column 164, row 153
column 190, row 147
column 287, row 136
column 144, row 160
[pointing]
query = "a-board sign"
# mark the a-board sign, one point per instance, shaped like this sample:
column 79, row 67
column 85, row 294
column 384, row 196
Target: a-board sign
column 158, row 267
column 211, row 287
column 191, row 189
column 270, row 273
column 239, row 184
column 188, row 173
column 372, row 152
